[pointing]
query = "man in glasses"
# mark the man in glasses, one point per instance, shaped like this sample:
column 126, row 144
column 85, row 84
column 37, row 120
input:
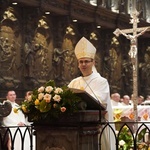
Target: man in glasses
column 93, row 83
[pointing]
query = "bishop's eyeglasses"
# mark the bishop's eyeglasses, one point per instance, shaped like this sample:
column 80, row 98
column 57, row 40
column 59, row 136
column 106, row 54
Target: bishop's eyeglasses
column 84, row 61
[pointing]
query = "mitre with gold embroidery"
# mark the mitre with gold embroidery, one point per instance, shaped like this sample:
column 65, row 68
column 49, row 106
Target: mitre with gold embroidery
column 85, row 48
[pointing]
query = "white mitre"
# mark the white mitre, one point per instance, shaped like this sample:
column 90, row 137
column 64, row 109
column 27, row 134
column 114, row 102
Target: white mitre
column 85, row 48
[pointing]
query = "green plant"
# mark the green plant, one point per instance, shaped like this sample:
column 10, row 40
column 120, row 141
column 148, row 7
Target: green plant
column 125, row 139
column 141, row 145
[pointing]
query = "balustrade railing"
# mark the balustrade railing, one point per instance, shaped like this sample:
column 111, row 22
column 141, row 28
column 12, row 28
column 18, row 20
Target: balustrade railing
column 17, row 138
column 123, row 135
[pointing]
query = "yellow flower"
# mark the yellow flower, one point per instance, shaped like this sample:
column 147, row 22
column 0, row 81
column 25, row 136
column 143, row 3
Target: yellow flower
column 148, row 148
column 15, row 110
column 24, row 108
column 125, row 127
column 36, row 102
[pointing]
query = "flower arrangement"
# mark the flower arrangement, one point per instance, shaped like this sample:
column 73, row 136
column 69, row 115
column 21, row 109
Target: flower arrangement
column 50, row 102
column 125, row 139
column 142, row 144
column 125, row 135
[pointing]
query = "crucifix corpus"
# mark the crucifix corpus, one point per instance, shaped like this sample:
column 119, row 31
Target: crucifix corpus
column 136, row 32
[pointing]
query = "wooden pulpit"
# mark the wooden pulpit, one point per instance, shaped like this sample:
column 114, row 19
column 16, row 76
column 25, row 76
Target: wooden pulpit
column 79, row 131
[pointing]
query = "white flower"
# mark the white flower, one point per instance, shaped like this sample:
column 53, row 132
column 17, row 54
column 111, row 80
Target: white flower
column 40, row 96
column 47, row 98
column 49, row 89
column 57, row 98
column 29, row 98
column 41, row 89
column 58, row 90
column 121, row 143
column 116, row 132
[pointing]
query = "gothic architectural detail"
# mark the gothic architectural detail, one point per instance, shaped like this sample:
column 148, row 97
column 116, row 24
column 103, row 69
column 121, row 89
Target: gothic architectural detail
column 113, row 65
column 9, row 49
column 145, row 72
column 70, row 62
column 56, row 5
column 36, row 47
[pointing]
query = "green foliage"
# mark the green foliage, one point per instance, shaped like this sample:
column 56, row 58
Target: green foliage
column 126, row 138
column 141, row 134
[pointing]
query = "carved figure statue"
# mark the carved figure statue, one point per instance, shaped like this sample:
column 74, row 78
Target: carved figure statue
column 133, row 42
column 58, row 59
column 69, row 62
column 145, row 70
column 132, row 38
column 127, row 75
column 30, row 49
column 112, row 62
column 8, row 54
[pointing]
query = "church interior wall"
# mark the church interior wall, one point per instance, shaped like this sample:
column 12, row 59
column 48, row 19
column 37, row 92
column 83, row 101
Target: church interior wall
column 35, row 47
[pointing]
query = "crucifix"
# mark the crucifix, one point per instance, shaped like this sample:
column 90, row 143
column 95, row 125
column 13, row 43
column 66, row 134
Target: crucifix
column 136, row 32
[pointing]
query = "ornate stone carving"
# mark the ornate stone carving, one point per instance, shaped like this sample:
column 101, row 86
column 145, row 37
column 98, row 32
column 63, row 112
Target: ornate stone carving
column 10, row 49
column 70, row 62
column 38, row 51
column 144, row 69
column 112, row 65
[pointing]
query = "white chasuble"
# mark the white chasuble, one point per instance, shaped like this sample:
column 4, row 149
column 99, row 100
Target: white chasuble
column 98, row 87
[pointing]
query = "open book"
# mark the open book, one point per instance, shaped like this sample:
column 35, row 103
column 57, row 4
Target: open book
column 91, row 102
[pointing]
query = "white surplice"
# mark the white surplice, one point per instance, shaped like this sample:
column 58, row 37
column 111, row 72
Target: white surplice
column 11, row 121
column 98, row 87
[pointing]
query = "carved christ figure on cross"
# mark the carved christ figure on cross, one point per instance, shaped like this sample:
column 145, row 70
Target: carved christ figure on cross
column 133, row 44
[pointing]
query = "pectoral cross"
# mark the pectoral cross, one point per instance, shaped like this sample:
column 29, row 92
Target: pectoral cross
column 136, row 32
